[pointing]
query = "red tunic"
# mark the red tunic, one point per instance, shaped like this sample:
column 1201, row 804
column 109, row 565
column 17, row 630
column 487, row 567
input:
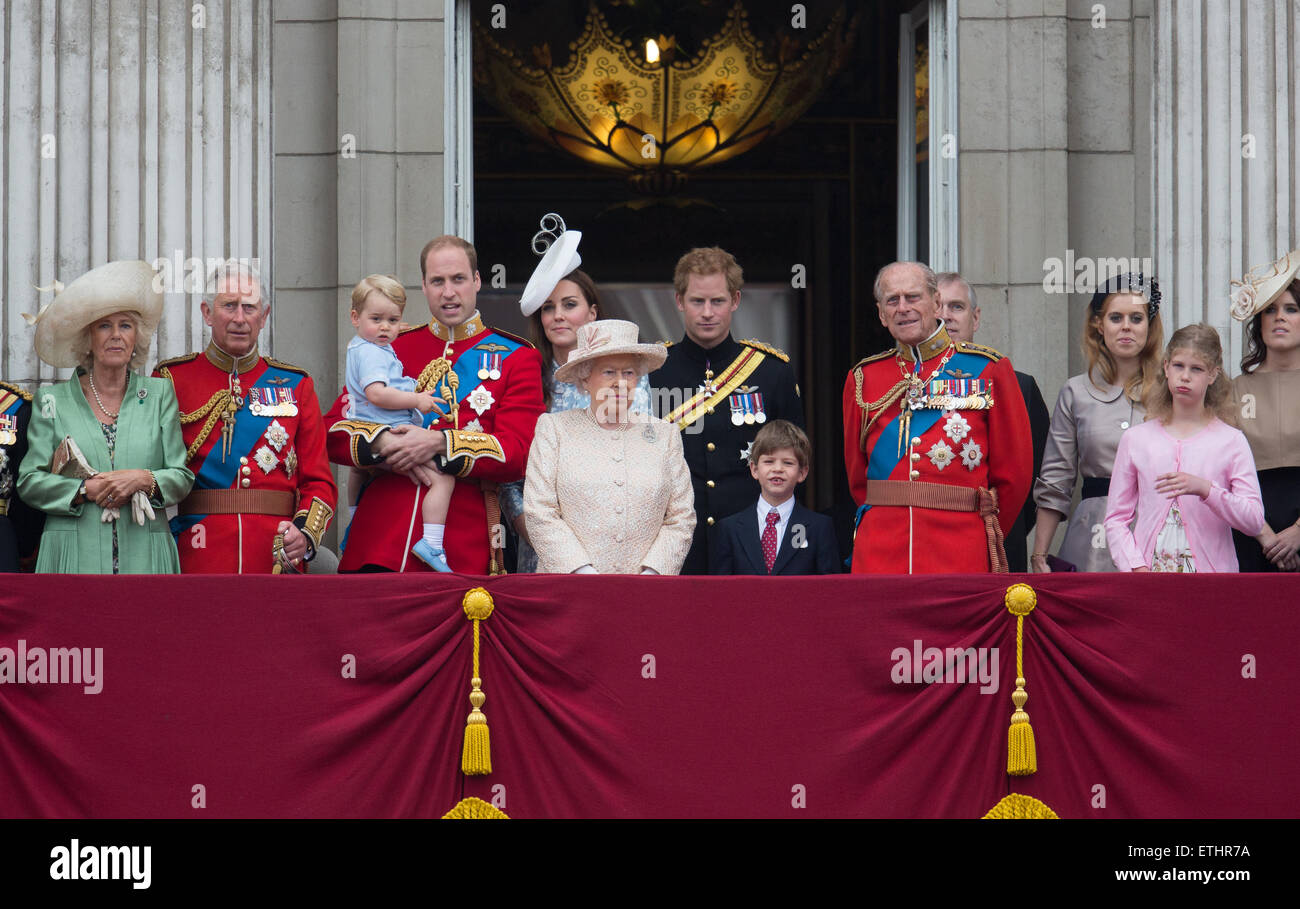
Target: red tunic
column 285, row 451
column 487, row 445
column 977, row 448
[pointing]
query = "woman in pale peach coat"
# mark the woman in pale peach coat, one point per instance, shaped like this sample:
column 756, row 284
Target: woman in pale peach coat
column 607, row 490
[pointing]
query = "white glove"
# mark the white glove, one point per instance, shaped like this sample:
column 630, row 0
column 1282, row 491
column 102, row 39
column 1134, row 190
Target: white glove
column 141, row 510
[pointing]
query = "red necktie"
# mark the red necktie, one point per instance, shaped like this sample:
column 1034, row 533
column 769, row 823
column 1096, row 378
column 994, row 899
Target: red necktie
column 769, row 539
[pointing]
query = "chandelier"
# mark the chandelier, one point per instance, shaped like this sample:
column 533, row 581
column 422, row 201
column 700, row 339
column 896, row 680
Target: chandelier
column 649, row 112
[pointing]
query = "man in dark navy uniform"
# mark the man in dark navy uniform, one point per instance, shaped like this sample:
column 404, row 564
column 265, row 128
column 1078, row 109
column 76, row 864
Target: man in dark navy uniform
column 720, row 392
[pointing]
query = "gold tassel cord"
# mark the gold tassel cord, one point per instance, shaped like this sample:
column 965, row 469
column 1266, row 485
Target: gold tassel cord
column 1022, row 757
column 475, row 809
column 476, row 756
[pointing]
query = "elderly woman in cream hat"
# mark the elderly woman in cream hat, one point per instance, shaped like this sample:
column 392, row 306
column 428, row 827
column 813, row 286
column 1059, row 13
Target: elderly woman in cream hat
column 558, row 299
column 1267, row 300
column 105, row 455
column 607, row 489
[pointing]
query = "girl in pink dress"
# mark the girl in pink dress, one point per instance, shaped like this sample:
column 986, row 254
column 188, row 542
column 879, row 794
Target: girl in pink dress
column 1186, row 472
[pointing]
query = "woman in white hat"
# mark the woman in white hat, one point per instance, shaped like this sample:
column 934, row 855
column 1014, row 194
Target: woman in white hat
column 558, row 300
column 105, row 491
column 1268, row 301
column 607, row 489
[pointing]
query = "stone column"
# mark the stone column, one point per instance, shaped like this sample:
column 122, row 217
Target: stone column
column 140, row 132
column 1227, row 162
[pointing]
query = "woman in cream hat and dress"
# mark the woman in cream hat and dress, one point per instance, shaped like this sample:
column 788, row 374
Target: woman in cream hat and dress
column 607, row 489
column 1268, row 301
column 125, row 426
column 558, row 299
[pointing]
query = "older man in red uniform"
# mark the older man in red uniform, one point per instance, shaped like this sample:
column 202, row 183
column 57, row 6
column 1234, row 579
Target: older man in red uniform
column 256, row 444
column 936, row 441
column 492, row 383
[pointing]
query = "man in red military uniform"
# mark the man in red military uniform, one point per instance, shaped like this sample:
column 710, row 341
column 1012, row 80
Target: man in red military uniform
column 936, row 441
column 492, row 382
column 255, row 441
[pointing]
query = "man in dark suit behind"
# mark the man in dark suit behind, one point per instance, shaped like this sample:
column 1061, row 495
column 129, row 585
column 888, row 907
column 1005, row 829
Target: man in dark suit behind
column 776, row 535
column 961, row 316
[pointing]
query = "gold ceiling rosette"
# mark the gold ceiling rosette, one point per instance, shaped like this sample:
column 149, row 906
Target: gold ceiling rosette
column 613, row 105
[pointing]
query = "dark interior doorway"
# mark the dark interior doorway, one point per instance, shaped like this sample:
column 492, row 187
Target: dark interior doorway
column 821, row 194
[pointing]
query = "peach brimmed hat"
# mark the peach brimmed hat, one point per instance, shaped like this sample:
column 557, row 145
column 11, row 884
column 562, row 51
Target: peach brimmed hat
column 610, row 338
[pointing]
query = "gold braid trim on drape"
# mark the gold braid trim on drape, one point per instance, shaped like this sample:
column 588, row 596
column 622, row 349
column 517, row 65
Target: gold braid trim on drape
column 1017, row 807
column 475, row 809
column 219, row 403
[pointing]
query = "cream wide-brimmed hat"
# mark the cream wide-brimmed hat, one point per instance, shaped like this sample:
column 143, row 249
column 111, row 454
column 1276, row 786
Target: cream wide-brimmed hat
column 125, row 286
column 1262, row 285
column 610, row 338
column 558, row 248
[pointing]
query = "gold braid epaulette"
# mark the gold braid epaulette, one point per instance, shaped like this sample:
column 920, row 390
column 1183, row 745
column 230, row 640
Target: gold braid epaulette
column 212, row 410
column 283, row 365
column 880, row 405
column 8, row 386
column 767, row 348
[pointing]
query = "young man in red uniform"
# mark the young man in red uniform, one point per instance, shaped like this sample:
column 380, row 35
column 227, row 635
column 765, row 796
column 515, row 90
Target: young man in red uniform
column 255, row 440
column 492, row 382
column 936, row 441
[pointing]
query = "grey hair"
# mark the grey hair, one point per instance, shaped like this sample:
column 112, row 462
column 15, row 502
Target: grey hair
column 951, row 277
column 243, row 272
column 931, row 279
column 138, row 355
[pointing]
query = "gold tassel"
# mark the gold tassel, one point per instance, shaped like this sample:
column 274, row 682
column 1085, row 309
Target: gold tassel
column 1017, row 807
column 1022, row 758
column 476, row 757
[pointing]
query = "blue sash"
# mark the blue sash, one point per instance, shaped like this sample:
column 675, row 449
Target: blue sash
column 214, row 473
column 884, row 457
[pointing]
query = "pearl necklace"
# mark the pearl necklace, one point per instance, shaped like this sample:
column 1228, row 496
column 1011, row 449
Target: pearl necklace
column 112, row 415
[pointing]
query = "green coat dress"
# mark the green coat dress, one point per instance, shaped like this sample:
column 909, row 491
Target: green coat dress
column 76, row 540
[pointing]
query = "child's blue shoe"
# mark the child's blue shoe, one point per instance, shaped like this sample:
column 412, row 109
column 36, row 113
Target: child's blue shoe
column 434, row 558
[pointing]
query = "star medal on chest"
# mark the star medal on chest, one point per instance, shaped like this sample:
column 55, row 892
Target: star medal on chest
column 480, row 399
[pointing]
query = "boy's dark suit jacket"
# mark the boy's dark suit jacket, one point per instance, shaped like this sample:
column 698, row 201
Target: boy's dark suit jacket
column 738, row 546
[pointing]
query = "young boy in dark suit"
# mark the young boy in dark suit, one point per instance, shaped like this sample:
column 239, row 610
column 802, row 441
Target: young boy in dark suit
column 776, row 535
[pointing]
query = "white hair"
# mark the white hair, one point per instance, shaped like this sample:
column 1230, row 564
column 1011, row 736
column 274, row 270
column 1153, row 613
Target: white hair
column 241, row 273
column 931, row 280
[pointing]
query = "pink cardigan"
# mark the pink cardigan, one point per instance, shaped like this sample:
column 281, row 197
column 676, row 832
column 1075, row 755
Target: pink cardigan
column 1218, row 453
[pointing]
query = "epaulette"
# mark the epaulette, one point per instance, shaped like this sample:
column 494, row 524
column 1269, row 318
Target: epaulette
column 981, row 349
column 175, row 361
column 874, row 357
column 766, row 348
column 25, row 395
column 513, row 337
column 280, row 364
column 407, row 331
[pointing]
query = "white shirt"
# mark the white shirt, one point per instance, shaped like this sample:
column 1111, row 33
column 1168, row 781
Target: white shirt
column 785, row 509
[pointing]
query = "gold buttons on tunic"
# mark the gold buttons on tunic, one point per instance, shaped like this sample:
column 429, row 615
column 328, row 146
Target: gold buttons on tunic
column 710, row 410
column 711, row 446
column 916, row 440
column 710, row 521
column 710, row 484
column 245, row 482
column 915, row 456
column 243, row 460
column 245, row 470
column 915, row 474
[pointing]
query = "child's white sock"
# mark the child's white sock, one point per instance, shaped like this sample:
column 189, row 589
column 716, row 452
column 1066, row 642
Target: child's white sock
column 433, row 534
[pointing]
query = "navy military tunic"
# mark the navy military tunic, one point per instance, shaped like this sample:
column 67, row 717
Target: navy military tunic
column 750, row 385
